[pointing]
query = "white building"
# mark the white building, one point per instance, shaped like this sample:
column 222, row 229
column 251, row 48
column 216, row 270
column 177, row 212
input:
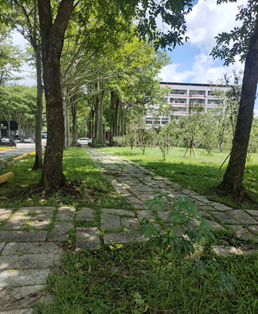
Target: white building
column 181, row 96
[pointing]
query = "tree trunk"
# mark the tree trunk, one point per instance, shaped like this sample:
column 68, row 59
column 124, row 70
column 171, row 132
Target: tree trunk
column 38, row 122
column 68, row 126
column 100, row 139
column 74, row 113
column 233, row 179
column 112, row 100
column 52, row 36
column 96, row 106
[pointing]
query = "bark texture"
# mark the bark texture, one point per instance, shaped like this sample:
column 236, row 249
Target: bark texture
column 38, row 156
column 52, row 36
column 233, row 179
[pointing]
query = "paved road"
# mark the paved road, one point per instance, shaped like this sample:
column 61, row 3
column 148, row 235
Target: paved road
column 22, row 148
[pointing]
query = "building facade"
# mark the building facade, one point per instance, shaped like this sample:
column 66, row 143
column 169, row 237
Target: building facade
column 180, row 99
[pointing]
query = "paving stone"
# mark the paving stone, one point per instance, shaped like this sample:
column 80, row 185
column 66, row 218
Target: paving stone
column 144, row 197
column 253, row 228
column 86, row 214
column 26, row 261
column 30, row 248
column 141, row 188
column 120, row 212
column 145, row 214
column 200, row 198
column 23, row 236
column 205, row 207
column 60, row 231
column 36, row 210
column 17, row 222
column 110, row 222
column 224, row 218
column 19, row 297
column 123, row 237
column 41, row 220
column 65, row 214
column 225, row 251
column 130, row 223
column 242, row 217
column 164, row 216
column 4, row 214
column 87, row 238
column 252, row 212
column 219, row 206
column 134, row 201
column 2, row 244
column 20, row 311
column 125, row 192
column 190, row 192
column 26, row 277
column 243, row 233
column 215, row 225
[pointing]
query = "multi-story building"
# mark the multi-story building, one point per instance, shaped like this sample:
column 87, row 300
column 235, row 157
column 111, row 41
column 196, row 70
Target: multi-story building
column 180, row 99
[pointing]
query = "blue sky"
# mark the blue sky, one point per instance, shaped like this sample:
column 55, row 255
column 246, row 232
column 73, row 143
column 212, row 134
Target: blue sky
column 191, row 63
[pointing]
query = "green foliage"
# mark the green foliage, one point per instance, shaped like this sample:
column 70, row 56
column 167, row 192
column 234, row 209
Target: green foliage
column 120, row 140
column 165, row 140
column 145, row 136
column 184, row 229
column 236, row 42
column 131, row 135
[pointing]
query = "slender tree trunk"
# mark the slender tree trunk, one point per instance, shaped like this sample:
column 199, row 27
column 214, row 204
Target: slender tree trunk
column 233, row 179
column 68, row 126
column 112, row 100
column 74, row 113
column 100, row 139
column 65, row 117
column 52, row 36
column 9, row 125
column 38, row 122
column 96, row 106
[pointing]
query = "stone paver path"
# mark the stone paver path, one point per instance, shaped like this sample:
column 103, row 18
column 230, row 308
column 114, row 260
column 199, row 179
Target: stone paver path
column 31, row 238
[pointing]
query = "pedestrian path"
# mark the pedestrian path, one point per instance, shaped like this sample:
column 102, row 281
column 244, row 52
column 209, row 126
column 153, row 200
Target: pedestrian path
column 32, row 238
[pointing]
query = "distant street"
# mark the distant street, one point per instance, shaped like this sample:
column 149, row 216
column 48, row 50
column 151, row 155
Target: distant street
column 21, row 148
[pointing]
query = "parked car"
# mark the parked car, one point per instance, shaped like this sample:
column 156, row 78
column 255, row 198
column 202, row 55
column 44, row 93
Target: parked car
column 5, row 140
column 28, row 140
column 84, row 140
column 17, row 140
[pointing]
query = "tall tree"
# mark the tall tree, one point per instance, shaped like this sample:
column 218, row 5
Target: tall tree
column 114, row 14
column 245, row 39
column 22, row 16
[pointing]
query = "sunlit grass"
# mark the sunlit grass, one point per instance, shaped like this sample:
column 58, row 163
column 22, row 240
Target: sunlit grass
column 78, row 168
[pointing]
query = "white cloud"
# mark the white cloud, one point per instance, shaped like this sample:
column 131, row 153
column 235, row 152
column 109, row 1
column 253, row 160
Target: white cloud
column 203, row 71
column 208, row 19
column 170, row 73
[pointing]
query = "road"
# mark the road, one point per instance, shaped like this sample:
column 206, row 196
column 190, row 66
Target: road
column 21, row 148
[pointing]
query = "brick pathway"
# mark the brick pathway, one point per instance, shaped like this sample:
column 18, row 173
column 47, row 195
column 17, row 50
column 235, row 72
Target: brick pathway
column 27, row 256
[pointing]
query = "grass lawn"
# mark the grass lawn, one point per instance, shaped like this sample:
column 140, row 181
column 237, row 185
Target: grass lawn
column 78, row 168
column 124, row 281
column 200, row 174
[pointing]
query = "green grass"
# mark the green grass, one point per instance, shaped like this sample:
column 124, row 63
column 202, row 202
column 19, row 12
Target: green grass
column 78, row 168
column 200, row 174
column 124, row 280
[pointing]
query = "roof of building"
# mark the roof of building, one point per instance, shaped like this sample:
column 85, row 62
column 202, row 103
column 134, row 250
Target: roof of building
column 193, row 84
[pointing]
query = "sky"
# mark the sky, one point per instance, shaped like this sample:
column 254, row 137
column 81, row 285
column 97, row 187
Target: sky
column 192, row 63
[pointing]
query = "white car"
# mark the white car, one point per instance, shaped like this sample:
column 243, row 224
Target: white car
column 84, row 140
column 5, row 140
column 28, row 140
